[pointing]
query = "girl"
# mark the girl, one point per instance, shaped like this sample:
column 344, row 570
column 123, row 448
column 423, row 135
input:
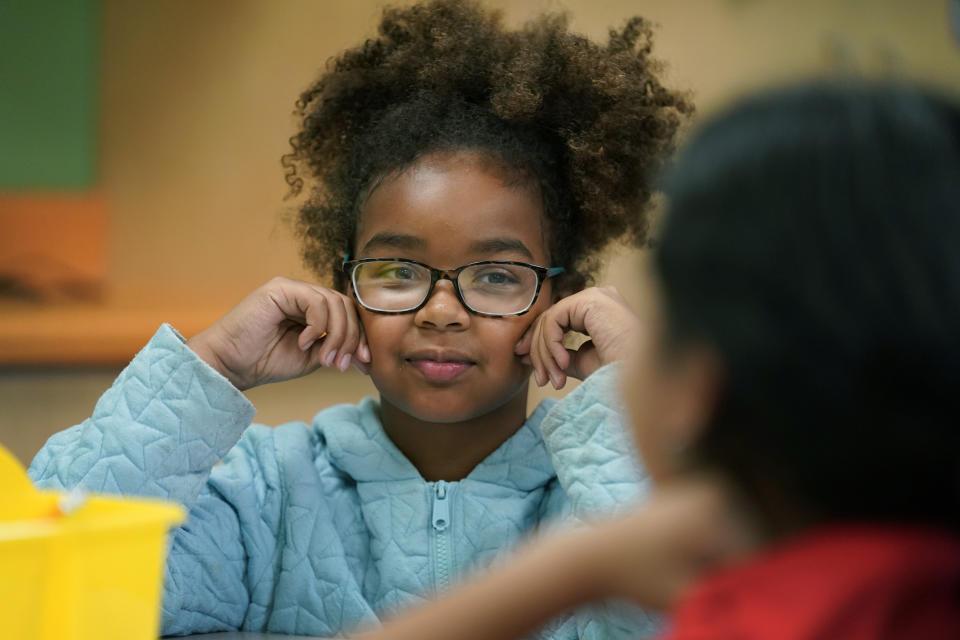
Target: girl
column 794, row 394
column 464, row 178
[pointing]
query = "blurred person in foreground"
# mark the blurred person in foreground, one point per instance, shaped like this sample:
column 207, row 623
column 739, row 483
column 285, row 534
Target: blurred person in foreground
column 795, row 396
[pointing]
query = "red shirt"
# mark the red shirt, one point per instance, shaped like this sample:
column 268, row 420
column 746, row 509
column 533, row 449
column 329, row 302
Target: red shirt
column 844, row 583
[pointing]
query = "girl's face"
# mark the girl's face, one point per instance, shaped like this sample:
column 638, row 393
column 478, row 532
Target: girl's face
column 443, row 363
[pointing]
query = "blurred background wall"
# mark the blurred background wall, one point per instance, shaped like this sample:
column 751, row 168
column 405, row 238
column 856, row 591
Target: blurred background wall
column 194, row 109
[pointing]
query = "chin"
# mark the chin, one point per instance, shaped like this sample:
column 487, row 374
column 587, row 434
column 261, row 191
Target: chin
column 461, row 401
column 436, row 410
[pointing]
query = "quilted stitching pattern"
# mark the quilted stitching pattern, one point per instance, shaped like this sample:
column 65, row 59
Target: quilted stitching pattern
column 598, row 468
column 318, row 529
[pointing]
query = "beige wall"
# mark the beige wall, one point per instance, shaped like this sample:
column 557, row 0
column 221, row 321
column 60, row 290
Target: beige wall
column 198, row 96
column 196, row 110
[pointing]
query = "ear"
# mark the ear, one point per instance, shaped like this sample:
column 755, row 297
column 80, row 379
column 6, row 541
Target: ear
column 567, row 284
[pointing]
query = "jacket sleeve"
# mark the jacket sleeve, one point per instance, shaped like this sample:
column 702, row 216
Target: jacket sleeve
column 598, row 472
column 158, row 431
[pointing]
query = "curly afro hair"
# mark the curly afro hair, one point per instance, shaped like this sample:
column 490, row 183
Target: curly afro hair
column 589, row 123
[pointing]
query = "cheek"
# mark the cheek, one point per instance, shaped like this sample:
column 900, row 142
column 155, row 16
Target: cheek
column 382, row 332
column 499, row 337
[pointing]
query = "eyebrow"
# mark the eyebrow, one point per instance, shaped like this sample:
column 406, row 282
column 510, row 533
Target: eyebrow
column 500, row 245
column 388, row 239
column 393, row 240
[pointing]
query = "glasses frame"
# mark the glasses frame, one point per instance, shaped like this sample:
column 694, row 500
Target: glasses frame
column 349, row 267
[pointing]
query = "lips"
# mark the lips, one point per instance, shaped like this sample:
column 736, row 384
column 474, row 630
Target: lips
column 441, row 366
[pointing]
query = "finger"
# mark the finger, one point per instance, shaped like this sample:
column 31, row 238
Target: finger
column 307, row 339
column 300, row 304
column 584, row 361
column 363, row 348
column 312, row 307
column 351, row 337
column 547, row 356
column 315, row 355
column 553, row 333
column 539, row 373
column 336, row 331
column 548, row 367
column 314, row 350
column 292, row 298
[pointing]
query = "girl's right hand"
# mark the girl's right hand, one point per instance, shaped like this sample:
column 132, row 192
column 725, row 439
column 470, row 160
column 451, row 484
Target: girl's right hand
column 284, row 329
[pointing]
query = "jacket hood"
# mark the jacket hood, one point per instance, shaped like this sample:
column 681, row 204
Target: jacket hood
column 358, row 446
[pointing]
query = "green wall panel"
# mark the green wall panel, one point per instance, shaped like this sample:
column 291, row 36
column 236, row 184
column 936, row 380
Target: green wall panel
column 49, row 72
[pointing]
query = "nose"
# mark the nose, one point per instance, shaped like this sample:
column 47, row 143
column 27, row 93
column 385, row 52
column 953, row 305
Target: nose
column 443, row 309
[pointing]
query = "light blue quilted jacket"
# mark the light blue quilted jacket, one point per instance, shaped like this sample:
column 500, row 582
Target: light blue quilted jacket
column 318, row 530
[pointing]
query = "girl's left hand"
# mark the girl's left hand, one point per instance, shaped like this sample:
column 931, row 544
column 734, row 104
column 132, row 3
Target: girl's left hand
column 599, row 312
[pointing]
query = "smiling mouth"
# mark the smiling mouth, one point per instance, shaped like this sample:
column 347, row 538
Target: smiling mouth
column 440, row 371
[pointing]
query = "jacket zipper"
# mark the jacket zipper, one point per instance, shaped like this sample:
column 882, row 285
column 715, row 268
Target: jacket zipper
column 441, row 528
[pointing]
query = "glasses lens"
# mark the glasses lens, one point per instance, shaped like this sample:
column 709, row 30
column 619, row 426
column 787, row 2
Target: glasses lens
column 498, row 288
column 390, row 285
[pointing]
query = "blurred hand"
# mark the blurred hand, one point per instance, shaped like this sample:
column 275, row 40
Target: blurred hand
column 284, row 329
column 599, row 312
column 654, row 554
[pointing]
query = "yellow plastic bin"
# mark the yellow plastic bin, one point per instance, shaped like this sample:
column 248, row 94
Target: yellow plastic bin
column 93, row 573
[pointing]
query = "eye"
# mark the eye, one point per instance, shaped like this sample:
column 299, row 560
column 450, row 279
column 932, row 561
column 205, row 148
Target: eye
column 396, row 271
column 496, row 277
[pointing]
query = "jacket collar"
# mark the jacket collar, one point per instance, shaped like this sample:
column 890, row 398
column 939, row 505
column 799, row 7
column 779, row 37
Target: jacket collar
column 358, row 446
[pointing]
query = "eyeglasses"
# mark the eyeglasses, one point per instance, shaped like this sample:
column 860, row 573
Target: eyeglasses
column 490, row 288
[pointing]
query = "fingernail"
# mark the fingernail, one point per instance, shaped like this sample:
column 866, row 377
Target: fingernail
column 344, row 362
column 555, row 381
column 307, row 346
column 328, row 359
column 541, row 379
column 365, row 355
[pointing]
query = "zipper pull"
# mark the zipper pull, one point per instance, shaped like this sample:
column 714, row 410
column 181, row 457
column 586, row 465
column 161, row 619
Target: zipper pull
column 441, row 508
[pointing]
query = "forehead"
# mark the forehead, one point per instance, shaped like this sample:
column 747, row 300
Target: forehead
column 452, row 209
